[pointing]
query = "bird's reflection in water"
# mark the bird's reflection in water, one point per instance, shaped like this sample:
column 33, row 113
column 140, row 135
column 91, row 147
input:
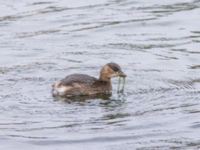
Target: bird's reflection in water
column 112, row 106
column 82, row 99
column 104, row 99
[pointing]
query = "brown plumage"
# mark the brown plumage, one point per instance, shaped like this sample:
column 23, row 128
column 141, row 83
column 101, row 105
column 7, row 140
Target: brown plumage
column 81, row 84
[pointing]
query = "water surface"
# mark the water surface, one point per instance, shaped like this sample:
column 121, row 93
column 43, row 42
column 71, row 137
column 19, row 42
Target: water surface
column 157, row 44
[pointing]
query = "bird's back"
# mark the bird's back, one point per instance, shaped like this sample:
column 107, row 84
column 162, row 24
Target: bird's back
column 78, row 78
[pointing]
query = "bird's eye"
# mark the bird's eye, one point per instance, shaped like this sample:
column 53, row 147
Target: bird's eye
column 114, row 67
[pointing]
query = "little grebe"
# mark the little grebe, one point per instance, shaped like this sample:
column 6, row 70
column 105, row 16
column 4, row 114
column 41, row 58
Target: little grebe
column 81, row 84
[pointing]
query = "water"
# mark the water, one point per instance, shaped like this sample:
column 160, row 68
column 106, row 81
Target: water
column 157, row 44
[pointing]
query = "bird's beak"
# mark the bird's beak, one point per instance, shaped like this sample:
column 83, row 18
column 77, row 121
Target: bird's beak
column 121, row 74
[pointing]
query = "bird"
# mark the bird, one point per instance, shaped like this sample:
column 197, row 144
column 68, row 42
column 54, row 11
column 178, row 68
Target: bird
column 86, row 85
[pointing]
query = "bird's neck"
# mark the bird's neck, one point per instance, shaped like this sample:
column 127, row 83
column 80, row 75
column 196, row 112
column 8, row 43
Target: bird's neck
column 104, row 77
column 104, row 74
